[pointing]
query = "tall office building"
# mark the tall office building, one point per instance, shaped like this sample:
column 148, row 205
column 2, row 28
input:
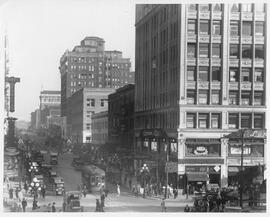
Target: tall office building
column 200, row 83
column 89, row 65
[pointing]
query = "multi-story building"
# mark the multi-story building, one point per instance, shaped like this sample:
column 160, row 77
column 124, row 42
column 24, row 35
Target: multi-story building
column 49, row 98
column 35, row 119
column 200, row 75
column 81, row 106
column 89, row 65
column 100, row 128
column 121, row 128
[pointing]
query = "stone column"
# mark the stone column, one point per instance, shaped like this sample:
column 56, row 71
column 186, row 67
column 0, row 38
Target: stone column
column 224, row 167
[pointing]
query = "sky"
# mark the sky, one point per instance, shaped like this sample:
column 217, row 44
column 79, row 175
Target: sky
column 39, row 32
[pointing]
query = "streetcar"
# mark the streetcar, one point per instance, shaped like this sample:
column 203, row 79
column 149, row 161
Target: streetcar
column 93, row 178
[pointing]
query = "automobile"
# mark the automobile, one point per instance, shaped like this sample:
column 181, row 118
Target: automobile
column 77, row 163
column 59, row 185
column 52, row 175
column 72, row 203
column 53, row 158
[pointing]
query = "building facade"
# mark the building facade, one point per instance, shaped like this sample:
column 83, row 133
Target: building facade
column 121, row 129
column 81, row 106
column 200, row 75
column 49, row 98
column 100, row 128
column 89, row 65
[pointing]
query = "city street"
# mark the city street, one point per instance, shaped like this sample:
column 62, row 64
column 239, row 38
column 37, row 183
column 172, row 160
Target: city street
column 126, row 202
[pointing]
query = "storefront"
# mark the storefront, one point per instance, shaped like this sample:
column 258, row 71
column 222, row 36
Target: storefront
column 160, row 149
column 247, row 146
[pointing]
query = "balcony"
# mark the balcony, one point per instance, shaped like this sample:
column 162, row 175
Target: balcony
column 258, row 86
column 216, row 61
column 216, row 38
column 204, row 15
column 235, row 16
column 215, row 85
column 191, row 38
column 246, row 85
column 259, row 39
column 203, row 85
column 259, row 63
column 191, row 85
column 259, row 16
column 234, row 40
column 234, row 62
column 192, row 15
column 246, row 63
column 246, row 40
column 247, row 16
column 203, row 62
column 191, row 61
column 204, row 38
column 216, row 15
column 233, row 86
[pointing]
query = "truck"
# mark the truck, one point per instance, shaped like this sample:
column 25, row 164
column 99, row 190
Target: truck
column 71, row 202
column 53, row 158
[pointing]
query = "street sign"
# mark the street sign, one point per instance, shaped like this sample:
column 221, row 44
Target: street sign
column 216, row 168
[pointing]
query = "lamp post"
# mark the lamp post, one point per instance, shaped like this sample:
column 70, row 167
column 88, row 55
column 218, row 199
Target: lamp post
column 33, row 167
column 144, row 172
column 34, row 187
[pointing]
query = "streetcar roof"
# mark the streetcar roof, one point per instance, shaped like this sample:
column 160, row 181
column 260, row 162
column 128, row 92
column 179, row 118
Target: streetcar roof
column 94, row 170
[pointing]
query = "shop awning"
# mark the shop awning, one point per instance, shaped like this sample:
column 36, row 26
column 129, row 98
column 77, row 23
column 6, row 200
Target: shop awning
column 197, row 177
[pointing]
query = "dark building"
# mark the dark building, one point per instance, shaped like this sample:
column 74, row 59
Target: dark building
column 200, row 75
column 121, row 127
column 89, row 65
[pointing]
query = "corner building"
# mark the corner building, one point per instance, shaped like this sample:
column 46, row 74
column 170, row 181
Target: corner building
column 200, row 76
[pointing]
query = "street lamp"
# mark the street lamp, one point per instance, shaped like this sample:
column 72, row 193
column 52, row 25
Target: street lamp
column 33, row 167
column 34, row 187
column 144, row 172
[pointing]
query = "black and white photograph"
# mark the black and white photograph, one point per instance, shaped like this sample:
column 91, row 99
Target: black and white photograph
column 129, row 106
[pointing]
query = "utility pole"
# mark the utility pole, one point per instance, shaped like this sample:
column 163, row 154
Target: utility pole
column 241, row 170
column 166, row 168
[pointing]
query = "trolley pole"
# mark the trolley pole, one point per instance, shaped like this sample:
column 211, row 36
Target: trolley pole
column 241, row 171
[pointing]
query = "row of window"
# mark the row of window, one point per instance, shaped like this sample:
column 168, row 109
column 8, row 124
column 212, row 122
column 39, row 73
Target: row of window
column 92, row 102
column 247, row 27
column 236, row 120
column 246, row 120
column 203, row 120
column 246, row 74
column 258, row 7
column 204, row 51
column 246, row 97
column 204, row 74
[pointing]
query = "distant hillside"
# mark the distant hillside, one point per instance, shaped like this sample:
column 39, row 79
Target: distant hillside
column 21, row 124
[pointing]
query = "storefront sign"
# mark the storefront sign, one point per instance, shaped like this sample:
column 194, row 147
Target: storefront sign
column 201, row 150
column 206, row 169
column 255, row 133
column 201, row 161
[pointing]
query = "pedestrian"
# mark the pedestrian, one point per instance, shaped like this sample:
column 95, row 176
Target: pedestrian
column 53, row 207
column 34, row 205
column 10, row 193
column 43, row 191
column 64, row 206
column 17, row 193
column 118, row 190
column 24, row 204
column 163, row 206
column 129, row 184
column 49, row 208
column 187, row 209
column 97, row 205
column 175, row 193
column 19, row 208
column 102, row 199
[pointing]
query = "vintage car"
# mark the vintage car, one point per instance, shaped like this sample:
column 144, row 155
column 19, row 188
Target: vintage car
column 71, row 202
column 59, row 185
